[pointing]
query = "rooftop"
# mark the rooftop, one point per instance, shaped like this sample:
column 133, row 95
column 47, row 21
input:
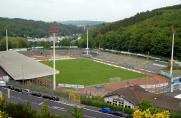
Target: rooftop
column 135, row 94
column 172, row 94
column 21, row 67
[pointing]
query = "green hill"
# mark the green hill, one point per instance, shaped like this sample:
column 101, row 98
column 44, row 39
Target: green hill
column 146, row 32
column 31, row 28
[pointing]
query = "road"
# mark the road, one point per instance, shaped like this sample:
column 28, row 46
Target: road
column 57, row 107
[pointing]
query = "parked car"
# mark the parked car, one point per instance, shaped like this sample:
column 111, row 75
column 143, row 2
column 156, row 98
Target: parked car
column 105, row 110
column 36, row 94
column 2, row 83
column 45, row 96
column 10, row 87
column 26, row 91
column 55, row 98
column 18, row 89
column 117, row 113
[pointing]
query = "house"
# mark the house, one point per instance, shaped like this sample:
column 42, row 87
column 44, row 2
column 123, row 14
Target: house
column 133, row 95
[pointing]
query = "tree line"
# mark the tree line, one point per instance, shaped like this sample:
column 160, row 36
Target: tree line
column 30, row 28
column 148, row 33
column 13, row 42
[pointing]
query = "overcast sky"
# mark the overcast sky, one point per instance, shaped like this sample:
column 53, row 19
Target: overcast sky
column 60, row 10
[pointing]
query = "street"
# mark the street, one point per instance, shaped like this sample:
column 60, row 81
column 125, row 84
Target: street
column 56, row 107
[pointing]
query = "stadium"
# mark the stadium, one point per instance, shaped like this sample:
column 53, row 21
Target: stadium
column 104, row 72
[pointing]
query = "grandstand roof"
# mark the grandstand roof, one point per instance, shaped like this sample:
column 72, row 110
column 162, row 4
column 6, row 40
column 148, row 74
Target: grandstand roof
column 21, row 67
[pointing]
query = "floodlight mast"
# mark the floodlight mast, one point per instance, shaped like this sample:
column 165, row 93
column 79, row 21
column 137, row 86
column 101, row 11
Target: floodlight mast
column 54, row 73
column 87, row 41
column 7, row 39
column 171, row 66
column 54, row 29
column 87, row 29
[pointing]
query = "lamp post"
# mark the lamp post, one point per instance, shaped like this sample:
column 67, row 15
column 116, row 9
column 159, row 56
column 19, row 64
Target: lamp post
column 171, row 66
column 87, row 29
column 6, row 28
column 87, row 41
column 54, row 29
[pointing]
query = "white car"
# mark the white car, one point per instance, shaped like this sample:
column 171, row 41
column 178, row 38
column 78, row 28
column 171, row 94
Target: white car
column 2, row 83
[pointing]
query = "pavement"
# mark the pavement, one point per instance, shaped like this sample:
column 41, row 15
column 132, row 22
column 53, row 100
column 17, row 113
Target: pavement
column 56, row 107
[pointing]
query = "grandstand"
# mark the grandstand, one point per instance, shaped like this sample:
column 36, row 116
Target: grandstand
column 22, row 68
column 43, row 54
column 133, row 62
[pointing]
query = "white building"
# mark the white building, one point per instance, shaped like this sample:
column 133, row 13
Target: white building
column 133, row 95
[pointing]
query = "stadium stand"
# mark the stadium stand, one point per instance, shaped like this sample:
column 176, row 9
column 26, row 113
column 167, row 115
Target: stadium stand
column 20, row 67
column 132, row 62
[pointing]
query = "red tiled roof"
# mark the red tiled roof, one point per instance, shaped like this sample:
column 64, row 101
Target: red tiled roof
column 135, row 94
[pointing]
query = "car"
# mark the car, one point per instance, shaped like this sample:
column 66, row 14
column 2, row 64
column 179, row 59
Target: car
column 55, row 98
column 47, row 97
column 36, row 94
column 105, row 110
column 10, row 87
column 117, row 113
column 26, row 91
column 2, row 83
column 18, row 89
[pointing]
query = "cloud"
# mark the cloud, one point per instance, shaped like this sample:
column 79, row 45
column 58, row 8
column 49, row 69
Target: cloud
column 58, row 10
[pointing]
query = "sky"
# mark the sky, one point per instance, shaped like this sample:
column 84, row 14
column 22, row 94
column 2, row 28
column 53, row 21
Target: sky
column 61, row 10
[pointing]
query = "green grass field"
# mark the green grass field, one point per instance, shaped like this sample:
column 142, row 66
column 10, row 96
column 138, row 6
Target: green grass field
column 88, row 72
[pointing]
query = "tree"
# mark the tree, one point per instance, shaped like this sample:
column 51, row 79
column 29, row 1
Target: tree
column 147, row 114
column 146, row 32
column 13, row 42
column 44, row 111
column 3, row 115
column 77, row 112
column 145, row 104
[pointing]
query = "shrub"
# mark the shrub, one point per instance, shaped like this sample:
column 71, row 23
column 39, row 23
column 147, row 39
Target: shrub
column 77, row 112
column 3, row 115
column 147, row 114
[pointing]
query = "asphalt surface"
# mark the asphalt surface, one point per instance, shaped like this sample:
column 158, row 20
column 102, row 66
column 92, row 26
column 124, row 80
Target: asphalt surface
column 56, row 107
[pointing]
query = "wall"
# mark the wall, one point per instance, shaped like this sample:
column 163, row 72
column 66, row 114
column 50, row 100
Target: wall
column 119, row 101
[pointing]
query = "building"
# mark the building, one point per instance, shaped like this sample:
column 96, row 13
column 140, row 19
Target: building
column 22, row 68
column 133, row 95
column 176, row 77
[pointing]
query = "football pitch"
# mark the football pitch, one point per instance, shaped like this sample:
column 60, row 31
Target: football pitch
column 89, row 72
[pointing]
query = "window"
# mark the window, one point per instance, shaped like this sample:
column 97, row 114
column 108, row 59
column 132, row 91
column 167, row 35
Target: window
column 121, row 103
column 109, row 102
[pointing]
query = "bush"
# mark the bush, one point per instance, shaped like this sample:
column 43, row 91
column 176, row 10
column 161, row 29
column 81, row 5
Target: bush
column 175, row 114
column 3, row 115
column 24, row 110
column 146, row 104
column 147, row 114
column 76, row 112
